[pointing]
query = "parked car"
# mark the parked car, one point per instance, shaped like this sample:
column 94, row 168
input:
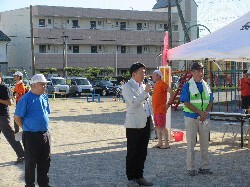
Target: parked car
column 10, row 83
column 79, row 86
column 58, row 86
column 103, row 87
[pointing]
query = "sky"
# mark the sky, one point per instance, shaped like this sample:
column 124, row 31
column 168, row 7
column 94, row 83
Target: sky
column 214, row 14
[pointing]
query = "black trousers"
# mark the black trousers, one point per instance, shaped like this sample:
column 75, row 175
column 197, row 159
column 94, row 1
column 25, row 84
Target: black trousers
column 137, row 144
column 8, row 132
column 245, row 102
column 37, row 154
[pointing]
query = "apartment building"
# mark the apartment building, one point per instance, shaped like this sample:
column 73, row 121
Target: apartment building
column 57, row 37
column 4, row 40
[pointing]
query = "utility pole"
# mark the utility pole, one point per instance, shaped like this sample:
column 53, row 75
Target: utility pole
column 65, row 56
column 169, row 25
column 33, row 65
column 182, row 21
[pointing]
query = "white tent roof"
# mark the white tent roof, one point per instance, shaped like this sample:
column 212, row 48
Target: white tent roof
column 232, row 42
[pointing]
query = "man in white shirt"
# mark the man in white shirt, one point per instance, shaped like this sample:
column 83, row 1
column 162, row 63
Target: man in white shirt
column 137, row 124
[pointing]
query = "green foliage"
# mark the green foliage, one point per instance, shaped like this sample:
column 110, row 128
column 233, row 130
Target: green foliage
column 74, row 71
column 126, row 75
column 50, row 71
column 108, row 70
column 92, row 72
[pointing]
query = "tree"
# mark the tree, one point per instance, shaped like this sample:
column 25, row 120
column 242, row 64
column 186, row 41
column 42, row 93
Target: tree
column 92, row 72
column 126, row 75
column 50, row 70
column 74, row 71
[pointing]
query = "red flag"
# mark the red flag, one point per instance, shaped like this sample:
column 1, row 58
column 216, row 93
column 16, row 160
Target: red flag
column 165, row 50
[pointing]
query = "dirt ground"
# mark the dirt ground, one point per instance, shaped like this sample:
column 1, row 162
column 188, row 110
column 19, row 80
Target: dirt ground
column 89, row 149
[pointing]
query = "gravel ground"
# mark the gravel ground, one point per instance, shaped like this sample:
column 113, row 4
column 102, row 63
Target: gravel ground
column 89, row 149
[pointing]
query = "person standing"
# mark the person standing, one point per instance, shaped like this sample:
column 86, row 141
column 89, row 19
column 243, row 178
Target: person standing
column 197, row 98
column 245, row 90
column 137, row 124
column 5, row 127
column 160, row 107
column 19, row 91
column 31, row 115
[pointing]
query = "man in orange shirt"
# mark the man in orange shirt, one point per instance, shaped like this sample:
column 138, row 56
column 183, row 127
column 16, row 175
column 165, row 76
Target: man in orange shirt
column 245, row 90
column 160, row 107
column 19, row 91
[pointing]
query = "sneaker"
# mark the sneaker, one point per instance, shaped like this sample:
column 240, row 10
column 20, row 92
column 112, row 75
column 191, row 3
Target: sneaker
column 144, row 182
column 19, row 160
column 191, row 173
column 205, row 171
column 132, row 183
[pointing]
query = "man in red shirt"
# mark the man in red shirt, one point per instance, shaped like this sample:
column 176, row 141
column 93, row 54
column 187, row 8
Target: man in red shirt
column 244, row 85
column 160, row 107
column 19, row 91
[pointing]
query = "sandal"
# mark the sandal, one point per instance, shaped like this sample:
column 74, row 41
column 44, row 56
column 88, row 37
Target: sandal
column 164, row 147
column 157, row 146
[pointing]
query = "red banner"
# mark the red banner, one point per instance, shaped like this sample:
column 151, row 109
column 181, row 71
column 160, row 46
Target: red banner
column 165, row 50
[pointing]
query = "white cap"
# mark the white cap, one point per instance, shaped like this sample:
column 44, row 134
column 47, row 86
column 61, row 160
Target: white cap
column 158, row 72
column 18, row 73
column 38, row 78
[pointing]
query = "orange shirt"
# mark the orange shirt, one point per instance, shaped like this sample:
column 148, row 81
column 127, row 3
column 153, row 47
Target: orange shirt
column 20, row 89
column 245, row 86
column 159, row 97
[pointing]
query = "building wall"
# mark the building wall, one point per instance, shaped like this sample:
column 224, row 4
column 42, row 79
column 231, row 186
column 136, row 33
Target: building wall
column 3, row 57
column 16, row 25
column 52, row 24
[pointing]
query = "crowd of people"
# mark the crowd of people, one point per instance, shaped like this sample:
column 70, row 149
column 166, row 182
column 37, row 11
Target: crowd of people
column 143, row 109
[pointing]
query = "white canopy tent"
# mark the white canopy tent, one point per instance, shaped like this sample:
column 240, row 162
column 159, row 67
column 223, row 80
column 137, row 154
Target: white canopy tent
column 230, row 43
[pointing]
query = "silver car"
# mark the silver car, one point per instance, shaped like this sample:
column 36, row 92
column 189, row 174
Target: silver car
column 79, row 86
column 58, row 86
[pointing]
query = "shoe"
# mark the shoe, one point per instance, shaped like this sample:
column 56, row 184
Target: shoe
column 19, row 160
column 191, row 173
column 144, row 182
column 132, row 183
column 164, row 147
column 205, row 171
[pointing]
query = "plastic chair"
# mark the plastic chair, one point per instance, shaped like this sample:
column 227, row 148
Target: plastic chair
column 233, row 124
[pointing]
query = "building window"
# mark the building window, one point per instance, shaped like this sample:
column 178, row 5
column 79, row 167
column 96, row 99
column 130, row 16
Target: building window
column 139, row 26
column 49, row 21
column 92, row 24
column 165, row 27
column 94, row 49
column 42, row 48
column 48, row 47
column 123, row 26
column 160, row 26
column 123, row 49
column 41, row 22
column 175, row 27
column 75, row 24
column 76, row 49
column 99, row 22
column 145, row 48
column 139, row 49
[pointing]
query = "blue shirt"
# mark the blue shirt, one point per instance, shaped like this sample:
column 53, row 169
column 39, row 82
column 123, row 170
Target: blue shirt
column 34, row 110
column 185, row 97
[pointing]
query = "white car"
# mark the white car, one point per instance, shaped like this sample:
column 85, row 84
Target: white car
column 58, row 86
column 79, row 86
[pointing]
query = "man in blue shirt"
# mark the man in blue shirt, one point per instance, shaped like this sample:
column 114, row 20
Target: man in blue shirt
column 197, row 98
column 31, row 115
